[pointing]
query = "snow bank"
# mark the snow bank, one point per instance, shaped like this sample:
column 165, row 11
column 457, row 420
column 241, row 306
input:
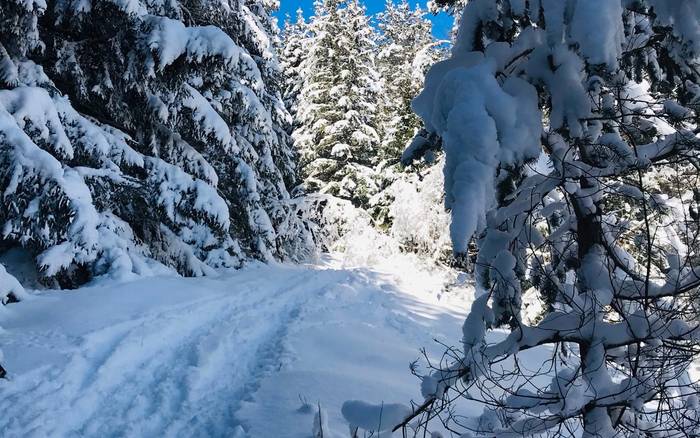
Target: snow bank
column 419, row 221
column 374, row 417
column 10, row 289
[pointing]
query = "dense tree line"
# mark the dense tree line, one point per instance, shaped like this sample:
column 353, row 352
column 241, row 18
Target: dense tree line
column 350, row 83
column 141, row 135
column 349, row 87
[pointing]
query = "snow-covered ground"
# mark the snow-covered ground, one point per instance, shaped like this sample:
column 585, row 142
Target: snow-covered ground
column 235, row 356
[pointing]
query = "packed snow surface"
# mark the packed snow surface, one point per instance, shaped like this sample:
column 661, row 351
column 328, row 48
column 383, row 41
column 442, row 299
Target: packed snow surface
column 252, row 353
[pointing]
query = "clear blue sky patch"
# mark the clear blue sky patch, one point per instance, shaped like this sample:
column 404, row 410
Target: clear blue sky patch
column 442, row 23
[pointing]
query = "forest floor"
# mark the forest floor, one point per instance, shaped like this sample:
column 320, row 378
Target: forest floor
column 251, row 353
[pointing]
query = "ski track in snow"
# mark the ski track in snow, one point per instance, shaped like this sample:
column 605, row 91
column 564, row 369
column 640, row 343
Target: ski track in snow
column 212, row 357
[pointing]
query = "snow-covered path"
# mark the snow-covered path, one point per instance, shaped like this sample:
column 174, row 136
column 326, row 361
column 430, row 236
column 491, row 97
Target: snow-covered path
column 227, row 356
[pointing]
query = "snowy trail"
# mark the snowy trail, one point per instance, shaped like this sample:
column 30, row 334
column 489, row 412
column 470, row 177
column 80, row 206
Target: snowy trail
column 214, row 357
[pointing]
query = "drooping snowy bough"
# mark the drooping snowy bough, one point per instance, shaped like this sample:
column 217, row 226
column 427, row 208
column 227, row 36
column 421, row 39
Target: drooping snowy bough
column 570, row 130
column 137, row 134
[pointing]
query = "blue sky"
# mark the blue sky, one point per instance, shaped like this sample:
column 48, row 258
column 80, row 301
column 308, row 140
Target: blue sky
column 441, row 23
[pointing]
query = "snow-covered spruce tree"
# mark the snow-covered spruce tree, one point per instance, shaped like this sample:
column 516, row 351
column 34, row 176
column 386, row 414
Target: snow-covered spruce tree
column 295, row 39
column 405, row 51
column 604, row 227
column 137, row 131
column 338, row 135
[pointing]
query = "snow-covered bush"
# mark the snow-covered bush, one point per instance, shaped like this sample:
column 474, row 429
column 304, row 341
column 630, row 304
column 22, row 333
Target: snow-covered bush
column 10, row 291
column 140, row 134
column 339, row 226
column 606, row 233
column 419, row 221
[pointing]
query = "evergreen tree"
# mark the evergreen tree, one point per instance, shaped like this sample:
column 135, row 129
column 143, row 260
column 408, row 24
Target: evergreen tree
column 406, row 50
column 296, row 41
column 337, row 135
column 140, row 131
column 605, row 95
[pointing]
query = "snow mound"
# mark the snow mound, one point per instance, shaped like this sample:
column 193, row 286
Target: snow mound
column 374, row 417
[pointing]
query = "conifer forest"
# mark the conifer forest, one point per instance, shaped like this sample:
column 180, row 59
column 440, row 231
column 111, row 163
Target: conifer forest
column 350, row 218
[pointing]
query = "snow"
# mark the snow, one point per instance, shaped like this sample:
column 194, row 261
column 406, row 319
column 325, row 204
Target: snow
column 226, row 355
column 419, row 220
column 683, row 17
column 374, row 417
column 8, row 70
column 32, row 110
column 320, row 425
column 481, row 124
column 602, row 43
column 171, row 39
column 570, row 102
column 175, row 184
column 208, row 118
column 10, row 285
